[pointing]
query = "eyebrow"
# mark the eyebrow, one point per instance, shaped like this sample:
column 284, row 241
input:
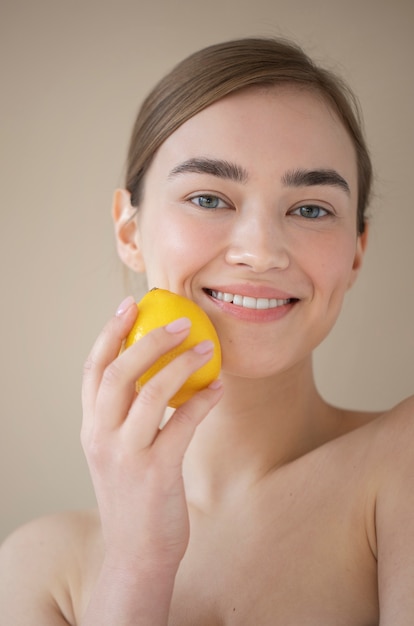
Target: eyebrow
column 310, row 178
column 232, row 171
column 214, row 167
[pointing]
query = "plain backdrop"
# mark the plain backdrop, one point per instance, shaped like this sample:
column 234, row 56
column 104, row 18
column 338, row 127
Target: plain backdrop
column 72, row 76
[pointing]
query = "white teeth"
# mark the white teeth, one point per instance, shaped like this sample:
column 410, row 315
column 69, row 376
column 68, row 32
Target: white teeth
column 264, row 303
column 247, row 301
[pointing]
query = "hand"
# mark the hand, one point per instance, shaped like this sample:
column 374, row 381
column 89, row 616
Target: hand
column 136, row 468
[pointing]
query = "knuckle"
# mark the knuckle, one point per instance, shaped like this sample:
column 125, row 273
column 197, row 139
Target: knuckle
column 149, row 393
column 184, row 416
column 112, row 375
column 89, row 366
column 96, row 450
column 156, row 340
column 190, row 360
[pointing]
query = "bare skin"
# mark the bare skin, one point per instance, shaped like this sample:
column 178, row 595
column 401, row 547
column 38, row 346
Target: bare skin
column 298, row 547
column 257, row 502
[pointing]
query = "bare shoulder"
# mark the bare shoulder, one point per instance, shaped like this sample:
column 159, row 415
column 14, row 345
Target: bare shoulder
column 383, row 442
column 391, row 439
column 44, row 565
column 393, row 433
column 401, row 413
column 382, row 431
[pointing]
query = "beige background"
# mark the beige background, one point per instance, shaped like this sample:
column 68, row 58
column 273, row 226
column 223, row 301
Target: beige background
column 73, row 73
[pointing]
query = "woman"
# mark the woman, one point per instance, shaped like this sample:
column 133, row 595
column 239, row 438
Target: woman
column 258, row 502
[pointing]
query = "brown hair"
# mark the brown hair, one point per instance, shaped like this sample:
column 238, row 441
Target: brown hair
column 218, row 70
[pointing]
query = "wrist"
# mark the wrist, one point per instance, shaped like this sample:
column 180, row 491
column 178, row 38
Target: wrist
column 139, row 569
column 131, row 594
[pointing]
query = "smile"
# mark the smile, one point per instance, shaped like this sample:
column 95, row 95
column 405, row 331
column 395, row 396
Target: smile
column 247, row 302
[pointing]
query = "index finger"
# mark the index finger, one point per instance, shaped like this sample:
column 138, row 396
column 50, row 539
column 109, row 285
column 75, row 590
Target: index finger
column 105, row 349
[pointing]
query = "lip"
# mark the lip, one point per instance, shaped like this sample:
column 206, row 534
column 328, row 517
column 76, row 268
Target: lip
column 252, row 315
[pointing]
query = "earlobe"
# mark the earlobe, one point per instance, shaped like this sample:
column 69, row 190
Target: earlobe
column 126, row 230
column 361, row 245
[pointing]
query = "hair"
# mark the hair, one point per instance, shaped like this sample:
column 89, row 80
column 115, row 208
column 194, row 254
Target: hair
column 221, row 69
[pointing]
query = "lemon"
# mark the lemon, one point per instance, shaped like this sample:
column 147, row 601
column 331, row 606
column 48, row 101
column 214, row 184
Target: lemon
column 160, row 307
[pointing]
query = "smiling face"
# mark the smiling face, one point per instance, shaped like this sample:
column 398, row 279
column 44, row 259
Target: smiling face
column 249, row 209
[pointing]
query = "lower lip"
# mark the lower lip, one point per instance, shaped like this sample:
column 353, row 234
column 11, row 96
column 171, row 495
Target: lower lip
column 253, row 315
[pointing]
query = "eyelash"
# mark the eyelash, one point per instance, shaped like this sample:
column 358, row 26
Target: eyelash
column 209, row 196
column 222, row 204
column 312, row 207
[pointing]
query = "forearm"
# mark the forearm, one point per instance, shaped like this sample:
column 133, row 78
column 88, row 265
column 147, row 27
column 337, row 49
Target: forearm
column 122, row 597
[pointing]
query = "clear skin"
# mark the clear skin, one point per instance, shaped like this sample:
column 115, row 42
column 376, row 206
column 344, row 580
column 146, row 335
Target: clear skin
column 259, row 467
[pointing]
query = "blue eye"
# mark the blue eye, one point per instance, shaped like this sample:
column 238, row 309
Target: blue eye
column 208, row 201
column 310, row 211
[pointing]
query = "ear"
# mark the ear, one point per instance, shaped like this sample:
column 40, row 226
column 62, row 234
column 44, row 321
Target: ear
column 361, row 245
column 126, row 230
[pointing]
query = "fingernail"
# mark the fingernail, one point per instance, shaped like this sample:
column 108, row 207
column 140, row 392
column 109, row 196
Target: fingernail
column 204, row 347
column 182, row 323
column 124, row 306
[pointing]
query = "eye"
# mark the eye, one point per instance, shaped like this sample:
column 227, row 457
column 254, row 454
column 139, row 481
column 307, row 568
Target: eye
column 310, row 211
column 208, row 201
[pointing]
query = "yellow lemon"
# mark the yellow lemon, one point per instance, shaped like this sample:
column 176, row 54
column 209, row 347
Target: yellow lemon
column 160, row 307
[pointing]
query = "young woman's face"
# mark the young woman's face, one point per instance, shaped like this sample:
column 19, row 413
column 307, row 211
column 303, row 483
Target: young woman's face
column 249, row 209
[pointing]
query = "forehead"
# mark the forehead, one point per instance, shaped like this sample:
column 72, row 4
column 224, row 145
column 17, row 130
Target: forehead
column 265, row 128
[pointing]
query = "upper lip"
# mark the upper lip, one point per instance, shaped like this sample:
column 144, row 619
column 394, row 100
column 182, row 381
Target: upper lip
column 253, row 291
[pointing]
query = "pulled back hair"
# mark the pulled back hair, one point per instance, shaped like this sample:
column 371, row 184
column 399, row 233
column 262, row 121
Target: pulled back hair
column 221, row 69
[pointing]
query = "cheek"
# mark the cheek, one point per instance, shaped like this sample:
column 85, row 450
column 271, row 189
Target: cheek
column 174, row 248
column 333, row 262
column 186, row 241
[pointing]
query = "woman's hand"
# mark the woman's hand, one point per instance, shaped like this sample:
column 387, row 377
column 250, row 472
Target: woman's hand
column 136, row 468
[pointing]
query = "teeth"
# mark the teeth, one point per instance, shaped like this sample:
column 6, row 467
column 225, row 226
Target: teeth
column 249, row 302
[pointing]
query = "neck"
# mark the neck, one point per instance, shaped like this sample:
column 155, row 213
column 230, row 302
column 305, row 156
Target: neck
column 257, row 426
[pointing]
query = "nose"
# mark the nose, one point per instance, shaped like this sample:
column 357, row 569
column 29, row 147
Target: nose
column 259, row 244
